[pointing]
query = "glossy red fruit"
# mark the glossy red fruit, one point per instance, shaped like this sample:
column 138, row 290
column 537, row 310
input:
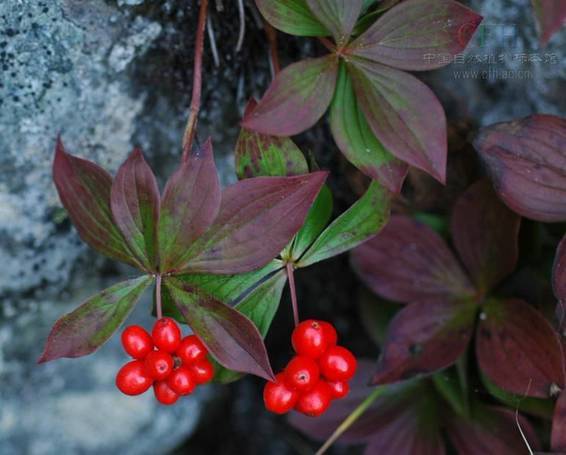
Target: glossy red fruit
column 339, row 389
column 133, row 378
column 136, row 341
column 166, row 334
column 181, row 381
column 159, row 364
column 191, row 349
column 302, row 373
column 279, row 398
column 329, row 333
column 164, row 393
column 338, row 364
column 309, row 339
column 314, row 402
column 202, row 371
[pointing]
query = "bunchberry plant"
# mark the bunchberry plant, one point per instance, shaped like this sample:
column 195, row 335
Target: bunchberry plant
column 381, row 117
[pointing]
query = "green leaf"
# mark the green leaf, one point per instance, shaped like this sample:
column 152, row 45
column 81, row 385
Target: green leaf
column 85, row 329
column 357, row 224
column 291, row 16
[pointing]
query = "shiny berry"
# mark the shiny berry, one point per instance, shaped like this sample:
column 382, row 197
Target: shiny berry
column 202, row 371
column 279, row 398
column 338, row 364
column 302, row 373
column 314, row 402
column 136, row 341
column 166, row 334
column 309, row 339
column 164, row 393
column 191, row 349
column 133, row 378
column 181, row 381
column 159, row 365
column 329, row 333
column 339, row 389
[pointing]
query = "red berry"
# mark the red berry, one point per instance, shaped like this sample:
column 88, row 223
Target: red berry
column 136, row 341
column 279, row 398
column 302, row 373
column 339, row 389
column 309, row 339
column 314, row 402
column 202, row 371
column 133, row 378
column 338, row 364
column 164, row 393
column 166, row 334
column 159, row 365
column 329, row 333
column 181, row 381
column 191, row 349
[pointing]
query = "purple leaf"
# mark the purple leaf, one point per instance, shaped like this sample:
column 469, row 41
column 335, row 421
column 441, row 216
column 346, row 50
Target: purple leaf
column 190, row 203
column 519, row 350
column 407, row 261
column 89, row 326
column 558, row 441
column 84, row 190
column 135, row 206
column 425, row 337
column 404, row 114
column 551, row 16
column 486, row 235
column 231, row 337
column 257, row 218
column 491, row 430
column 296, row 99
column 338, row 16
column 356, row 140
column 418, row 35
column 527, row 162
column 559, row 274
column 291, row 16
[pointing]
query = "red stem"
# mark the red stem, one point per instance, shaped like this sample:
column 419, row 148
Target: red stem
column 328, row 44
column 273, row 54
column 293, row 290
column 158, row 308
column 197, row 81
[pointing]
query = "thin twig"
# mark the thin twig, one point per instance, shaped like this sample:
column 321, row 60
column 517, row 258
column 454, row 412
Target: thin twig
column 197, row 82
column 293, row 290
column 273, row 53
column 242, row 33
column 525, row 440
column 212, row 40
column 349, row 421
column 158, row 308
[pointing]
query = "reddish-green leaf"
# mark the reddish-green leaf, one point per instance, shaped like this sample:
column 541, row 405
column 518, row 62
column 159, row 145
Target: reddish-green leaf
column 356, row 140
column 551, row 16
column 407, row 261
column 135, row 206
column 338, row 16
column 84, row 189
column 89, row 326
column 190, row 204
column 403, row 113
column 231, row 337
column 559, row 425
column 296, row 99
column 425, row 337
column 519, row 350
column 418, row 34
column 491, row 430
column 257, row 218
column 291, row 16
column 260, row 155
column 527, row 162
column 485, row 233
column 559, row 272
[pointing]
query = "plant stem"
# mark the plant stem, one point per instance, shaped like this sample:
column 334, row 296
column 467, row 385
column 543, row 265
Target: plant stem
column 327, row 44
column 273, row 53
column 158, row 308
column 293, row 290
column 190, row 129
column 349, row 421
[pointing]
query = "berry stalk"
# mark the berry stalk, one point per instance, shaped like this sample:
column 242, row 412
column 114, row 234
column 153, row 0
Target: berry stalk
column 158, row 307
column 293, row 290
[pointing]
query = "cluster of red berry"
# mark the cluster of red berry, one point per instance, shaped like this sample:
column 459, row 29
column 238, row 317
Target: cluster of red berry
column 174, row 366
column 318, row 373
